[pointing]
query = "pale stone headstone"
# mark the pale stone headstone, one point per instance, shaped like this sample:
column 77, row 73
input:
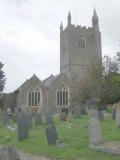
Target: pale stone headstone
column 23, row 128
column 38, row 119
column 94, row 130
column 51, row 134
column 5, row 118
column 9, row 153
column 118, row 115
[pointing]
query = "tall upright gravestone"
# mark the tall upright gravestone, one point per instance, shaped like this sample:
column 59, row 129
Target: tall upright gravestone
column 29, row 119
column 23, row 128
column 94, row 130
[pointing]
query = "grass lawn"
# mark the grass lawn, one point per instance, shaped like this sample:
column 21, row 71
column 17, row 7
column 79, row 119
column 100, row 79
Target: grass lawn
column 73, row 133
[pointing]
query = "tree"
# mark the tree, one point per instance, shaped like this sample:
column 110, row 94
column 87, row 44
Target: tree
column 2, row 78
column 111, row 79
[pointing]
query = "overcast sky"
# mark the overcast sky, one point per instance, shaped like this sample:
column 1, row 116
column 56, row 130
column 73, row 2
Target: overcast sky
column 29, row 34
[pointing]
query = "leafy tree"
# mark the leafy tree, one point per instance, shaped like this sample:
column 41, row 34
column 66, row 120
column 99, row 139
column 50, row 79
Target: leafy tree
column 111, row 80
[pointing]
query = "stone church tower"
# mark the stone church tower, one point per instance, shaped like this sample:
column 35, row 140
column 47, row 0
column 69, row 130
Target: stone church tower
column 78, row 47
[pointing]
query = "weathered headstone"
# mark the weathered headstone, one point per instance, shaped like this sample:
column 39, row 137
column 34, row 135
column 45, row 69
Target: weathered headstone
column 23, row 128
column 114, row 111
column 9, row 153
column 48, row 117
column 51, row 134
column 100, row 115
column 63, row 116
column 118, row 115
column 77, row 111
column 94, row 130
column 29, row 119
column 38, row 119
column 5, row 119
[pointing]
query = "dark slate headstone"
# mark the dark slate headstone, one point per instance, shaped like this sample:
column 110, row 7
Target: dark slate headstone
column 51, row 134
column 29, row 118
column 9, row 153
column 100, row 115
column 23, row 128
column 49, row 119
column 38, row 119
column 114, row 113
column 5, row 118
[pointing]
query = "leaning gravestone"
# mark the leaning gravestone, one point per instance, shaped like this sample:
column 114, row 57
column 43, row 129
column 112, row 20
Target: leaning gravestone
column 9, row 153
column 5, row 118
column 23, row 128
column 51, row 134
column 38, row 119
column 94, row 130
column 48, row 117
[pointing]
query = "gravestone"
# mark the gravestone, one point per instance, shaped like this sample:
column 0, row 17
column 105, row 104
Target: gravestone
column 48, row 117
column 114, row 112
column 51, row 134
column 118, row 115
column 5, row 118
column 94, row 130
column 38, row 119
column 9, row 153
column 23, row 128
column 29, row 119
column 100, row 115
column 63, row 116
column 77, row 111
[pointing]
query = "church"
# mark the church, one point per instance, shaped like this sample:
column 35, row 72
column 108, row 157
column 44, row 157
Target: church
column 79, row 46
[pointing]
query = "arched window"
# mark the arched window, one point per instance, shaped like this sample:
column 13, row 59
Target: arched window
column 34, row 97
column 62, row 96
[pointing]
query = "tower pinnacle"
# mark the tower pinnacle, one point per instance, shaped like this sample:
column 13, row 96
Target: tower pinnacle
column 95, row 20
column 61, row 27
column 69, row 18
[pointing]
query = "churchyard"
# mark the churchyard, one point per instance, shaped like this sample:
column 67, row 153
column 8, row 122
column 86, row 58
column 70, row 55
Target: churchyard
column 73, row 134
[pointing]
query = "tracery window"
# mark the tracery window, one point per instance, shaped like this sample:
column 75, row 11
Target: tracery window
column 34, row 97
column 62, row 96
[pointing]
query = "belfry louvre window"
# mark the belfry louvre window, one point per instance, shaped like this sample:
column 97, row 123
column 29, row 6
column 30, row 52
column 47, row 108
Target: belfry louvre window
column 62, row 96
column 81, row 43
column 34, row 97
